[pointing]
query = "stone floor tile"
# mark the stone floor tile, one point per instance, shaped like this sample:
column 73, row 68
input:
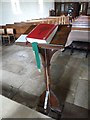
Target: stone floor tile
column 9, row 91
column 69, row 79
column 12, row 79
column 14, row 67
column 33, row 72
column 26, row 99
column 81, row 97
column 34, row 86
column 0, row 87
column 58, row 67
column 73, row 111
column 1, row 75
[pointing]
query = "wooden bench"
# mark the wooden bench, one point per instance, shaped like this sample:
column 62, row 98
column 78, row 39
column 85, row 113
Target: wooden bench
column 7, row 36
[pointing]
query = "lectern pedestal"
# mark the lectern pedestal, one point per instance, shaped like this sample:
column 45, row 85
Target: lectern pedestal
column 48, row 102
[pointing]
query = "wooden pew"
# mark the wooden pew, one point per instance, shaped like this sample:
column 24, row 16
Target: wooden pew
column 79, row 35
column 22, row 27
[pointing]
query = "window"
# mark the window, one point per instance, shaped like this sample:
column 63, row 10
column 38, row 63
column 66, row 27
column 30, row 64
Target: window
column 40, row 2
column 16, row 6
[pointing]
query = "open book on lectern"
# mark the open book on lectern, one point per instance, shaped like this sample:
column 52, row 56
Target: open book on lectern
column 42, row 33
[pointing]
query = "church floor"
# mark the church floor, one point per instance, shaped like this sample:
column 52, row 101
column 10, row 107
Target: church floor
column 22, row 82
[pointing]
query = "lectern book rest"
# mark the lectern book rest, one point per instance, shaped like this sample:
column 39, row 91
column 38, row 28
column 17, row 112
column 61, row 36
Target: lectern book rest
column 42, row 33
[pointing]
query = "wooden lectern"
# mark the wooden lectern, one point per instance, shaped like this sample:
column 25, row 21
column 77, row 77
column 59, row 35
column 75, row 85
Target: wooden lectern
column 48, row 102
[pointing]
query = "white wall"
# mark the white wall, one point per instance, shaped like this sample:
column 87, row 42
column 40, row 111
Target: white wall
column 30, row 9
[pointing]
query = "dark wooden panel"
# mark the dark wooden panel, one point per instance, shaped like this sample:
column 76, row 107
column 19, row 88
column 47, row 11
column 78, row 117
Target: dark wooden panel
column 64, row 7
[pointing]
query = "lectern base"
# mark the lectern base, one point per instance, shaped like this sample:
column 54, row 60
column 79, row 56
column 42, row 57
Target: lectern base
column 53, row 108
